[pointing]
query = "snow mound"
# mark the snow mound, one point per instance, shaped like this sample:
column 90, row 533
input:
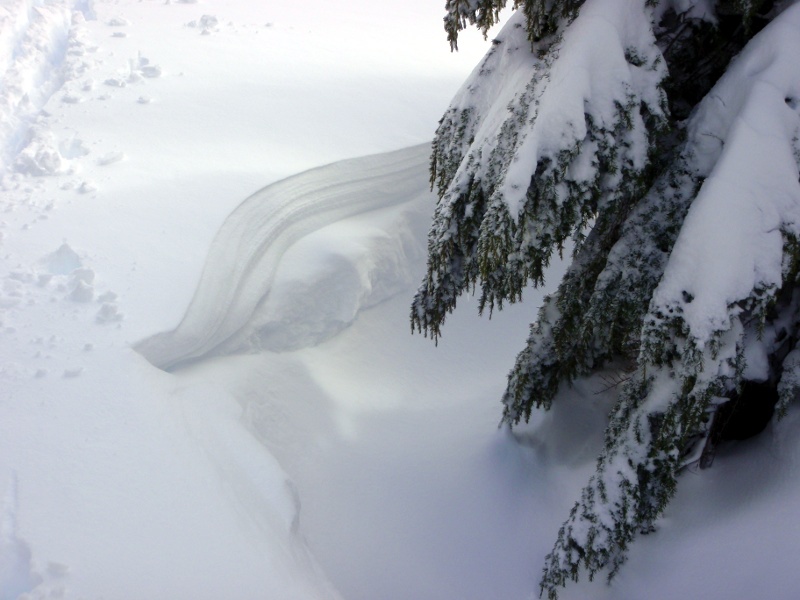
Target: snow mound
column 231, row 310
column 63, row 261
column 40, row 157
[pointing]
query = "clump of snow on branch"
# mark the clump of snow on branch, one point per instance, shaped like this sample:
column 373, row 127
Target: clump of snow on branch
column 521, row 172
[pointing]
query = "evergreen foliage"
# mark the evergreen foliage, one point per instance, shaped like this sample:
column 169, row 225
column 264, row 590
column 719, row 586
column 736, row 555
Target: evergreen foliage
column 631, row 132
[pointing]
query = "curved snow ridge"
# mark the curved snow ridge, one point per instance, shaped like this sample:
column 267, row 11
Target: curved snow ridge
column 326, row 279
column 245, row 254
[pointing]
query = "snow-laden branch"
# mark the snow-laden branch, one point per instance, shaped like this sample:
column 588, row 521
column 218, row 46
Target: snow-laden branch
column 534, row 146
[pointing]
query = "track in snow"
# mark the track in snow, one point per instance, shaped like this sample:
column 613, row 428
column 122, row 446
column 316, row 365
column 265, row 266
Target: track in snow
column 40, row 49
column 247, row 250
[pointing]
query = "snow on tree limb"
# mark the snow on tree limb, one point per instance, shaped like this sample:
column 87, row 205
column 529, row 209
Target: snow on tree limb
column 541, row 16
column 686, row 233
column 723, row 274
column 520, row 176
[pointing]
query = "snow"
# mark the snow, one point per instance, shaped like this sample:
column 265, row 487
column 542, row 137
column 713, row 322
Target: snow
column 238, row 275
column 732, row 239
column 339, row 456
column 581, row 79
column 561, row 87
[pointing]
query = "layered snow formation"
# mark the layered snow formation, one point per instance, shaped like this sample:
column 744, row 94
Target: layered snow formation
column 238, row 304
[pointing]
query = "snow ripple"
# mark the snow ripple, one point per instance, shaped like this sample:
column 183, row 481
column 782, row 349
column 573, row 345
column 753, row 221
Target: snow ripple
column 247, row 250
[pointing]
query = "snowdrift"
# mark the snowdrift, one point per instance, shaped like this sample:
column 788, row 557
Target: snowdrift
column 231, row 310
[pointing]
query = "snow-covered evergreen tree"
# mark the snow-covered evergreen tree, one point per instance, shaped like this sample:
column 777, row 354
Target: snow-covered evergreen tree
column 658, row 139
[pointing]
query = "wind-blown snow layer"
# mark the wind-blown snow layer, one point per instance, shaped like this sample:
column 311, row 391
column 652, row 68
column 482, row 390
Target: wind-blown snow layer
column 227, row 313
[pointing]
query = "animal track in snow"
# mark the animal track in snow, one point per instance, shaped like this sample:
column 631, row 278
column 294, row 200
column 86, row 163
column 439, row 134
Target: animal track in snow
column 19, row 577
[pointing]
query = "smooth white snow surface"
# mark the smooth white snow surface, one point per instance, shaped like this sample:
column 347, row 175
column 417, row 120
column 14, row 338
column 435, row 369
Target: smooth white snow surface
column 347, row 458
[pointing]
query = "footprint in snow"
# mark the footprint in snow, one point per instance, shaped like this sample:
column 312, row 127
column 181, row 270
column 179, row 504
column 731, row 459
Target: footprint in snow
column 17, row 576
